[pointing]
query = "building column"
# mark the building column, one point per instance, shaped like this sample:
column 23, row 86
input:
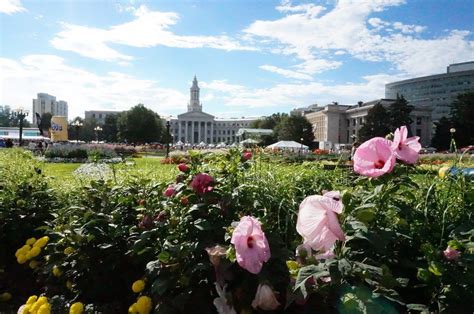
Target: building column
column 212, row 132
column 179, row 130
column 192, row 132
column 186, row 132
column 205, row 132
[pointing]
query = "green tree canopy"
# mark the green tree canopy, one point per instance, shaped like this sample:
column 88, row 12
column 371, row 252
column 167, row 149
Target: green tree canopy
column 110, row 129
column 294, row 128
column 375, row 124
column 462, row 118
column 442, row 136
column 45, row 121
column 139, row 125
column 399, row 113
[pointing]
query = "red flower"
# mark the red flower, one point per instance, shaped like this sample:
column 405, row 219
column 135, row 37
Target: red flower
column 247, row 155
column 183, row 167
column 169, row 191
column 202, row 183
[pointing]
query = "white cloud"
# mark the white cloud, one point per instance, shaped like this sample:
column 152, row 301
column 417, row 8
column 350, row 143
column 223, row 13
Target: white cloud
column 83, row 90
column 148, row 29
column 283, row 97
column 351, row 27
column 11, row 6
column 286, row 73
column 221, row 86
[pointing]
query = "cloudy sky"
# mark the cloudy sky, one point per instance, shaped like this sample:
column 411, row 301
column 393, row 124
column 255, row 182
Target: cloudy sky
column 251, row 57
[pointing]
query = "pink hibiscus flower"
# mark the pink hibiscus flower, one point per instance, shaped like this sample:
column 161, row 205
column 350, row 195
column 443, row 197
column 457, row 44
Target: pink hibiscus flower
column 374, row 157
column 406, row 149
column 251, row 245
column 265, row 299
column 202, row 183
column 451, row 254
column 170, row 190
column 317, row 221
column 183, row 167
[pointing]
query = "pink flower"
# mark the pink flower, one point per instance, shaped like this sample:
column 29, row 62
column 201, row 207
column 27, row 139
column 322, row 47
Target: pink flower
column 325, row 255
column 169, row 191
column 317, row 221
column 221, row 303
column 451, row 254
column 183, row 167
column 201, row 183
column 374, row 157
column 247, row 155
column 265, row 299
column 406, row 149
column 251, row 245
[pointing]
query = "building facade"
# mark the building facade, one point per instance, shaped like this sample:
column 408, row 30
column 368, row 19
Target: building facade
column 339, row 124
column 99, row 115
column 48, row 103
column 195, row 126
column 437, row 91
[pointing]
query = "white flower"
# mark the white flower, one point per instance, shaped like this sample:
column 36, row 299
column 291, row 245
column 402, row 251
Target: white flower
column 221, row 302
column 265, row 299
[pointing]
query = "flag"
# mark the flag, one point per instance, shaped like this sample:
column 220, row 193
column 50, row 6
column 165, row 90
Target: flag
column 38, row 122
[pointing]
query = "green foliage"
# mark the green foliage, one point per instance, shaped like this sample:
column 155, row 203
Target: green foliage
column 442, row 136
column 376, row 124
column 462, row 117
column 399, row 113
column 110, row 129
column 45, row 121
column 295, row 128
column 139, row 125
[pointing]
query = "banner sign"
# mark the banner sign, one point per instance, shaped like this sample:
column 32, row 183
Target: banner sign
column 58, row 129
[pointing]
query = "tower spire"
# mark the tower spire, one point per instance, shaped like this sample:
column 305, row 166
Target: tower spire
column 194, row 103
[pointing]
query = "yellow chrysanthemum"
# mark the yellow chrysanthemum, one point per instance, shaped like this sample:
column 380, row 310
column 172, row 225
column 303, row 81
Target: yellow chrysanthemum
column 21, row 259
column 31, row 241
column 6, row 296
column 35, row 251
column 138, row 286
column 57, row 271
column 23, row 250
column 144, row 305
column 76, row 308
column 69, row 250
column 44, row 309
column 26, row 309
column 133, row 309
column 31, row 300
column 41, row 242
column 442, row 172
column 33, row 264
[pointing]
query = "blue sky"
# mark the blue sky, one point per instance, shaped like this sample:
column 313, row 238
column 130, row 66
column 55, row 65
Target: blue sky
column 251, row 57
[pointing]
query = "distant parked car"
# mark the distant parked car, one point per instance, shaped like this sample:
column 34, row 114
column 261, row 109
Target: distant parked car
column 428, row 150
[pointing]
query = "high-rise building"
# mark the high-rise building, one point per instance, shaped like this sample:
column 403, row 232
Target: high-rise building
column 100, row 115
column 48, row 103
column 436, row 91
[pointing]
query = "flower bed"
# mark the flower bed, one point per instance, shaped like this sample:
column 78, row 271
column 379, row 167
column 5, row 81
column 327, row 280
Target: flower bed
column 232, row 233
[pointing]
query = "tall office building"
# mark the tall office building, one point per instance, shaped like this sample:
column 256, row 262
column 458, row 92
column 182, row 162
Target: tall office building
column 48, row 103
column 436, row 91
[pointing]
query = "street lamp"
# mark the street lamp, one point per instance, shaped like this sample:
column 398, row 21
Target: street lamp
column 97, row 129
column 452, row 144
column 168, row 126
column 20, row 114
column 77, row 124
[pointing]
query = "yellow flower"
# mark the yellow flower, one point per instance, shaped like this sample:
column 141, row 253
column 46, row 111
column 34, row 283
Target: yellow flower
column 69, row 250
column 57, row 271
column 6, row 296
column 31, row 241
column 69, row 284
column 138, row 286
column 442, row 172
column 133, row 309
column 76, row 308
column 31, row 300
column 34, row 264
column 44, row 309
column 41, row 242
column 144, row 305
column 23, row 250
column 26, row 309
column 21, row 259
column 33, row 252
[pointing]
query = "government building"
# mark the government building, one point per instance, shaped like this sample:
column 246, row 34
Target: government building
column 196, row 127
column 47, row 103
column 436, row 91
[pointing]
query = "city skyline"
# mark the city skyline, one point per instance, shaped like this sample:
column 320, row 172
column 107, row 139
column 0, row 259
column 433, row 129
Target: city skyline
column 251, row 59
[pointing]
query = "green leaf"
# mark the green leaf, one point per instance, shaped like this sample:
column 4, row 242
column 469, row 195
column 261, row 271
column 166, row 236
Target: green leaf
column 307, row 272
column 435, row 268
column 202, row 224
column 366, row 215
column 164, row 257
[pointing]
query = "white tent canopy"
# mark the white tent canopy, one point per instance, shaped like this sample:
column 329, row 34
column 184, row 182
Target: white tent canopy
column 287, row 145
column 250, row 141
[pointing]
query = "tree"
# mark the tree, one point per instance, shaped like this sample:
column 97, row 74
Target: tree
column 110, row 129
column 139, row 125
column 462, row 118
column 442, row 136
column 294, row 128
column 399, row 113
column 5, row 116
column 375, row 124
column 45, row 123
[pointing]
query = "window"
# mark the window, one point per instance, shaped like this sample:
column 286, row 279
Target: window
column 353, row 122
column 100, row 116
column 93, row 115
column 418, row 132
column 418, row 120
